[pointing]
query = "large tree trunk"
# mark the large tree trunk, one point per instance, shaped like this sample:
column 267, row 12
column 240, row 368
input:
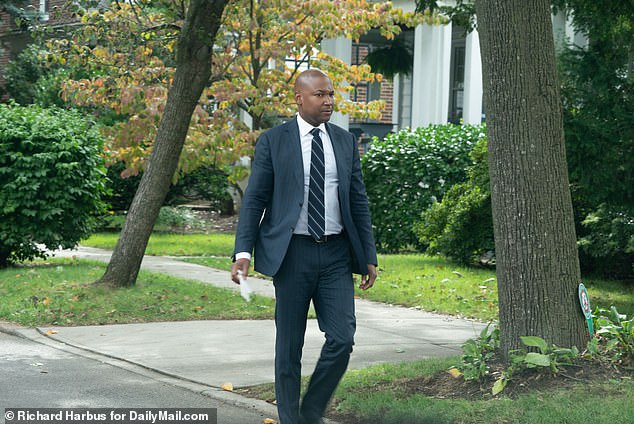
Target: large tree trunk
column 536, row 252
column 193, row 69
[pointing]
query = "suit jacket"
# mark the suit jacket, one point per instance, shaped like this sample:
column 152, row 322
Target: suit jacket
column 275, row 193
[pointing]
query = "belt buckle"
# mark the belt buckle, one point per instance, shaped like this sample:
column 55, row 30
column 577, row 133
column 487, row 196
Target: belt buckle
column 322, row 239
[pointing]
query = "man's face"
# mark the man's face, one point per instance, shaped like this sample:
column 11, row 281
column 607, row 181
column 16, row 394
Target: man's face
column 315, row 100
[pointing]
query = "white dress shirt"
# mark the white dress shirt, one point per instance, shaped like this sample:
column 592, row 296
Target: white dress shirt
column 331, row 183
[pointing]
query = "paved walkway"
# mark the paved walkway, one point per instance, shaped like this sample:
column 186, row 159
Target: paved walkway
column 211, row 353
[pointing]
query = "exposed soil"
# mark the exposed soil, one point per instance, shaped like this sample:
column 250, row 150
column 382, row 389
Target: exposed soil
column 217, row 223
column 445, row 386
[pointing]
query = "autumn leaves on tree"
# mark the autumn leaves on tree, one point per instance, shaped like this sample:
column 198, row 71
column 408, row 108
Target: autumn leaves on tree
column 127, row 57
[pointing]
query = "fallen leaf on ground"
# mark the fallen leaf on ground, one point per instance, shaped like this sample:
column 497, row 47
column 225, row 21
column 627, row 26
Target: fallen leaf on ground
column 51, row 331
column 227, row 386
column 455, row 373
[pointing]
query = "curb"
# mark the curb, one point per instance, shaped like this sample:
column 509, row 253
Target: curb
column 216, row 393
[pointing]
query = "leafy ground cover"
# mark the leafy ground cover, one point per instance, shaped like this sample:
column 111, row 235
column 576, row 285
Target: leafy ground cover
column 425, row 392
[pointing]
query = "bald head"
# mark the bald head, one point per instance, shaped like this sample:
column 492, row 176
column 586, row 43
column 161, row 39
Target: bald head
column 314, row 96
column 306, row 78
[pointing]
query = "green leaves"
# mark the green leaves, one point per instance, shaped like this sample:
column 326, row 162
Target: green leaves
column 52, row 178
column 533, row 341
column 499, row 385
column 408, row 171
column 477, row 353
column 549, row 356
column 534, row 359
column 460, row 226
column 614, row 336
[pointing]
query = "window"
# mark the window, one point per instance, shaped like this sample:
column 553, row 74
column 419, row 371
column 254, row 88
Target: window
column 456, row 83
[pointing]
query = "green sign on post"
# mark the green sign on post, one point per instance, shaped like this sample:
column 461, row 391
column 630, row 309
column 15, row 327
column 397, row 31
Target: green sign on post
column 584, row 301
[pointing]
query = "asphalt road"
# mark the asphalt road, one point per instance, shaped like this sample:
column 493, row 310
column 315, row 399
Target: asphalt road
column 34, row 375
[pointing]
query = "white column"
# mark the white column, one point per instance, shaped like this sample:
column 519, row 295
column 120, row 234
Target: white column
column 396, row 101
column 432, row 58
column 340, row 48
column 472, row 106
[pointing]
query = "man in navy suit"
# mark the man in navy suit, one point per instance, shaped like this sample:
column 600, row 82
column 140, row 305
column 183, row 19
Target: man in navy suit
column 308, row 261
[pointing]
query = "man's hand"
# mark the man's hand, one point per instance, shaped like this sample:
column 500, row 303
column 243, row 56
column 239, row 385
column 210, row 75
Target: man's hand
column 240, row 265
column 367, row 281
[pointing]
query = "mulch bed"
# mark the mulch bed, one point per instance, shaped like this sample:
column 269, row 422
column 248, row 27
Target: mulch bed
column 443, row 385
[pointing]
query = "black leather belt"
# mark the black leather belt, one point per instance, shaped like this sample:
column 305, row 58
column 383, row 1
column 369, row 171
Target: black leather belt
column 323, row 239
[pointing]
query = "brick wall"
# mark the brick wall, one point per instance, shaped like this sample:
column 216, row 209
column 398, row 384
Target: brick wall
column 14, row 39
column 359, row 52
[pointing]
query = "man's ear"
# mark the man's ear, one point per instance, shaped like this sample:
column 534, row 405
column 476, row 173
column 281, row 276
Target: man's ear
column 298, row 98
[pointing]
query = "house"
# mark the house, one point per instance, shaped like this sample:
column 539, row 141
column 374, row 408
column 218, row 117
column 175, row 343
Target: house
column 445, row 84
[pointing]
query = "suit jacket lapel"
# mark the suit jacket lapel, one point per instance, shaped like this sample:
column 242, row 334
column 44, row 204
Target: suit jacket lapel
column 341, row 157
column 295, row 145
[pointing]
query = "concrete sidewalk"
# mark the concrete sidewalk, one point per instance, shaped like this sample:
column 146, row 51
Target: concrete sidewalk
column 241, row 352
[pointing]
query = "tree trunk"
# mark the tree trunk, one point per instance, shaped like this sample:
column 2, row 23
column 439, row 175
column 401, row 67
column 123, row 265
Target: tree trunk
column 536, row 251
column 193, row 70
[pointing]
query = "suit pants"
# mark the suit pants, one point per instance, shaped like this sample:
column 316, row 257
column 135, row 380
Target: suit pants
column 320, row 272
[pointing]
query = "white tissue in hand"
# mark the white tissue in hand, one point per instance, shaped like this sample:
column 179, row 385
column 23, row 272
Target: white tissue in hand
column 245, row 290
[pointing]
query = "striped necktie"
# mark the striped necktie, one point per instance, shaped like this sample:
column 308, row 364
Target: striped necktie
column 316, row 208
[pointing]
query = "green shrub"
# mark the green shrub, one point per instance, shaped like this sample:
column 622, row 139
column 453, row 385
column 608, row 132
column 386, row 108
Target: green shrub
column 408, row 171
column 111, row 222
column 549, row 358
column 607, row 244
column 480, row 353
column 598, row 102
column 30, row 79
column 51, row 180
column 460, row 227
column 121, row 190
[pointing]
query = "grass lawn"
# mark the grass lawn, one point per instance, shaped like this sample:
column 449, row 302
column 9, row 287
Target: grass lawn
column 60, row 292
column 414, row 280
column 170, row 244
